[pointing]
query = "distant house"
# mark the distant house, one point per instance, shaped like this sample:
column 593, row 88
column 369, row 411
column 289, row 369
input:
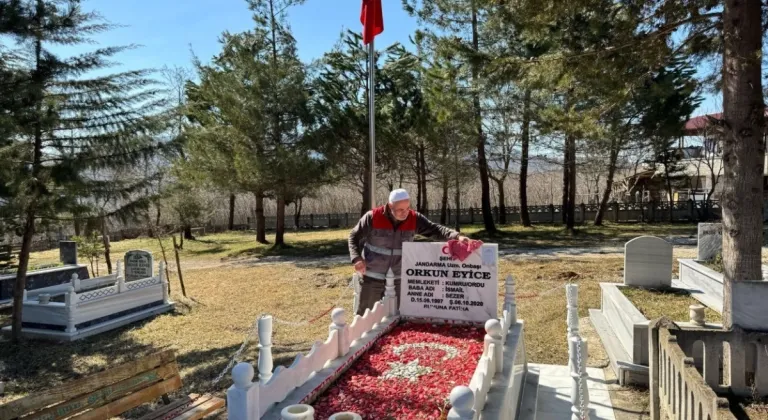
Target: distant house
column 700, row 152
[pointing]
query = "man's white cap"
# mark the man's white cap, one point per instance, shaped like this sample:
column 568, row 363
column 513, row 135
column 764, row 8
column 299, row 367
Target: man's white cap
column 398, row 195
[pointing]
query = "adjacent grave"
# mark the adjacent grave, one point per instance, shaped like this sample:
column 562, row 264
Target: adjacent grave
column 710, row 241
column 68, row 252
column 436, row 286
column 648, row 263
column 138, row 265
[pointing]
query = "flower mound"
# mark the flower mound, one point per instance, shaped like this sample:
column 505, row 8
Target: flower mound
column 407, row 374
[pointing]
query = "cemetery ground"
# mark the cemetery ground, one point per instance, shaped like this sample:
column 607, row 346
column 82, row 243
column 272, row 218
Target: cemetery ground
column 232, row 280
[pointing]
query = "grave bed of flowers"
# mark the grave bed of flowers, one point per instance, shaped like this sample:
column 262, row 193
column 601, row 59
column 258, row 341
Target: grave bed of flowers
column 407, row 374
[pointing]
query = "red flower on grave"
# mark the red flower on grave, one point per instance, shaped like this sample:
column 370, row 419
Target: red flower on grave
column 407, row 374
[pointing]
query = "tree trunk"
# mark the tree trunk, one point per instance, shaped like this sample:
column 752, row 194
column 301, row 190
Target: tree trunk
column 671, row 214
column 231, row 225
column 571, row 209
column 457, row 198
column 444, row 202
column 423, row 165
column 105, row 240
column 297, row 212
column 614, row 158
column 743, row 147
column 418, row 180
column 21, row 275
column 566, row 181
column 77, row 226
column 188, row 232
column 502, row 206
column 280, row 223
column 261, row 228
column 158, row 213
column 29, row 225
column 525, row 219
column 482, row 163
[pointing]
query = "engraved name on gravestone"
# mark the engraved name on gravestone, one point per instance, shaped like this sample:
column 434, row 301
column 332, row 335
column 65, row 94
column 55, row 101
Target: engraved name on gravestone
column 648, row 262
column 435, row 286
column 710, row 241
column 138, row 265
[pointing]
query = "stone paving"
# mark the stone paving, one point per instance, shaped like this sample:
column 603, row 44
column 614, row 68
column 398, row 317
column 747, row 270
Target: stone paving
column 552, row 385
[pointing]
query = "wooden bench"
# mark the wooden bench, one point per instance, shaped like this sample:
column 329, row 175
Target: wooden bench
column 114, row 391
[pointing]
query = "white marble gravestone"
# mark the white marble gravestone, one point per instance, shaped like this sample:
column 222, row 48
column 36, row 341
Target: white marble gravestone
column 138, row 265
column 435, row 286
column 648, row 262
column 710, row 241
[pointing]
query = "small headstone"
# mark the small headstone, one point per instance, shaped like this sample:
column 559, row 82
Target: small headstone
column 710, row 241
column 648, row 262
column 68, row 252
column 138, row 265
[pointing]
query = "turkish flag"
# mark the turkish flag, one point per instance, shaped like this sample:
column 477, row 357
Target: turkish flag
column 372, row 20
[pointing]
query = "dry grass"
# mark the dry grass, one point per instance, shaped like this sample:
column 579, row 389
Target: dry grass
column 232, row 292
column 207, row 334
column 672, row 303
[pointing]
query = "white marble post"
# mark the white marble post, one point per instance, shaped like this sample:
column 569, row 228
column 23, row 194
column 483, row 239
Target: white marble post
column 75, row 281
column 119, row 269
column 298, row 412
column 356, row 287
column 24, row 295
column 577, row 352
column 265, row 348
column 493, row 336
column 120, row 279
column 70, row 301
column 243, row 395
column 163, row 281
column 572, row 299
column 346, row 415
column 390, row 294
column 462, row 400
column 339, row 323
column 510, row 303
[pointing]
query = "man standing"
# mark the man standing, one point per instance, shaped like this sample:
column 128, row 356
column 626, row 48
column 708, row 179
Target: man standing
column 376, row 243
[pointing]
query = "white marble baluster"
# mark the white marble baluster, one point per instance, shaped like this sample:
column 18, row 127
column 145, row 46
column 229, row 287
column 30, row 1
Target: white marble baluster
column 243, row 395
column 339, row 324
column 70, row 301
column 265, row 348
column 493, row 336
column 390, row 294
column 462, row 399
column 510, row 303
column 75, row 282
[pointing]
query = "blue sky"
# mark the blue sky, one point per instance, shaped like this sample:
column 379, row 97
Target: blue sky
column 167, row 29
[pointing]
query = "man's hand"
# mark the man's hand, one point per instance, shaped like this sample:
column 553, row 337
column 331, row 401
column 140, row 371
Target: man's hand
column 360, row 266
column 463, row 239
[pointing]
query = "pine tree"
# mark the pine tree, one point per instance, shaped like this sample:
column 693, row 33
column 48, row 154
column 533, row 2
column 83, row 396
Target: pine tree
column 340, row 106
column 456, row 28
column 252, row 106
column 72, row 128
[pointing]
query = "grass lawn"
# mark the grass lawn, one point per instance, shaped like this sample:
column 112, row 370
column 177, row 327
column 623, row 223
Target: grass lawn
column 672, row 303
column 214, row 248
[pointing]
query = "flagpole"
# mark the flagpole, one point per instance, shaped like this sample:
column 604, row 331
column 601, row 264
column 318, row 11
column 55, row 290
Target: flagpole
column 372, row 118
